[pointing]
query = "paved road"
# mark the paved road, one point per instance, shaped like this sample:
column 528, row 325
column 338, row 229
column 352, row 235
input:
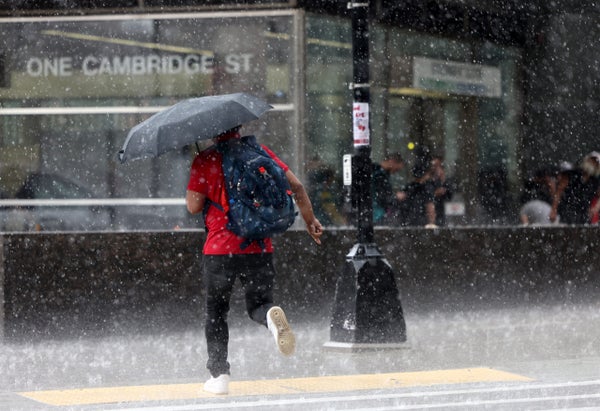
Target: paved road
column 506, row 358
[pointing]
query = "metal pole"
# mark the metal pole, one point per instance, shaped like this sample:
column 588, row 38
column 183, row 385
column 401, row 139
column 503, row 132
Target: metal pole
column 367, row 311
column 362, row 168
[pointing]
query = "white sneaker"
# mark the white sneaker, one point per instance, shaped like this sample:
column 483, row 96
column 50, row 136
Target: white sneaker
column 219, row 385
column 279, row 327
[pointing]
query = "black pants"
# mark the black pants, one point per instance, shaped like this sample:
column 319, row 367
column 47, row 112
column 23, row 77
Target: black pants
column 256, row 273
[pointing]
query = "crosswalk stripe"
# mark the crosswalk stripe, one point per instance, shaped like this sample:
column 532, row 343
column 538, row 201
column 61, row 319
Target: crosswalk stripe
column 339, row 383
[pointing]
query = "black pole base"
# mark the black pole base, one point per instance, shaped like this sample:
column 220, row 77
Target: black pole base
column 367, row 310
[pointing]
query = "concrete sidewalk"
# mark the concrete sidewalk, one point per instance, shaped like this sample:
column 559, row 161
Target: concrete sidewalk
column 544, row 343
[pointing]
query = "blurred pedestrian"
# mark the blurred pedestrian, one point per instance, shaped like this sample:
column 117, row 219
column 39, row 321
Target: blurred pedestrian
column 576, row 190
column 541, row 186
column 226, row 256
column 385, row 198
column 419, row 206
column 537, row 197
column 494, row 194
column 595, row 203
column 442, row 187
column 536, row 212
column 325, row 194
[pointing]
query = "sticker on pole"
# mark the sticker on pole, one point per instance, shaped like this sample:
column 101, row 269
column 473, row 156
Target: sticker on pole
column 347, row 169
column 360, row 123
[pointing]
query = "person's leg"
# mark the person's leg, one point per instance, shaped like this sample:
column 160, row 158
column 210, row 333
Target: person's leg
column 257, row 276
column 219, row 282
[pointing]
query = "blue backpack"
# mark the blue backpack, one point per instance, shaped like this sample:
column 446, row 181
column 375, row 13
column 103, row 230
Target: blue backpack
column 259, row 194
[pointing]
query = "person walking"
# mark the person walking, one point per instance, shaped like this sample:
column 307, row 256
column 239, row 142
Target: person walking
column 227, row 257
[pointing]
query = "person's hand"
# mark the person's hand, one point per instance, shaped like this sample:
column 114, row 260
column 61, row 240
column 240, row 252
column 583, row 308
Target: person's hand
column 315, row 229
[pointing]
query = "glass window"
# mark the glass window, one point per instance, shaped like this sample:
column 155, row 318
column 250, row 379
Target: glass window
column 470, row 119
column 329, row 120
column 73, row 87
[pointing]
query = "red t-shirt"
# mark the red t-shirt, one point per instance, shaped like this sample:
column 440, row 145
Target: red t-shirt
column 206, row 177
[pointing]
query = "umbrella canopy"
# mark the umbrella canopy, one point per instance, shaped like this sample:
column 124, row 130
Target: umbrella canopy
column 189, row 121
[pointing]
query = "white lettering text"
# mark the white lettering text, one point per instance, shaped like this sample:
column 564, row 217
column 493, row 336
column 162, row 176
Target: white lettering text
column 46, row 67
column 136, row 65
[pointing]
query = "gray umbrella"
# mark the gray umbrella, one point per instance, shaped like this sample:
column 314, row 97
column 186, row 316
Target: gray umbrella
column 189, row 121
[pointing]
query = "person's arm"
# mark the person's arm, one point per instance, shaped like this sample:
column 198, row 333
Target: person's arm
column 194, row 201
column 430, row 212
column 304, row 205
column 560, row 188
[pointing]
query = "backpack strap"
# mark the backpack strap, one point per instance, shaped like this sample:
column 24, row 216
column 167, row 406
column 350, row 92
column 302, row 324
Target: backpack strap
column 250, row 140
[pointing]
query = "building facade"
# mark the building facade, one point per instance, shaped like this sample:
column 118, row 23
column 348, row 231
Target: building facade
column 497, row 90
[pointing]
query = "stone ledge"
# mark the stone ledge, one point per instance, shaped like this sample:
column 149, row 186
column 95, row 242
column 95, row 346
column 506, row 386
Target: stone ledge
column 88, row 283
